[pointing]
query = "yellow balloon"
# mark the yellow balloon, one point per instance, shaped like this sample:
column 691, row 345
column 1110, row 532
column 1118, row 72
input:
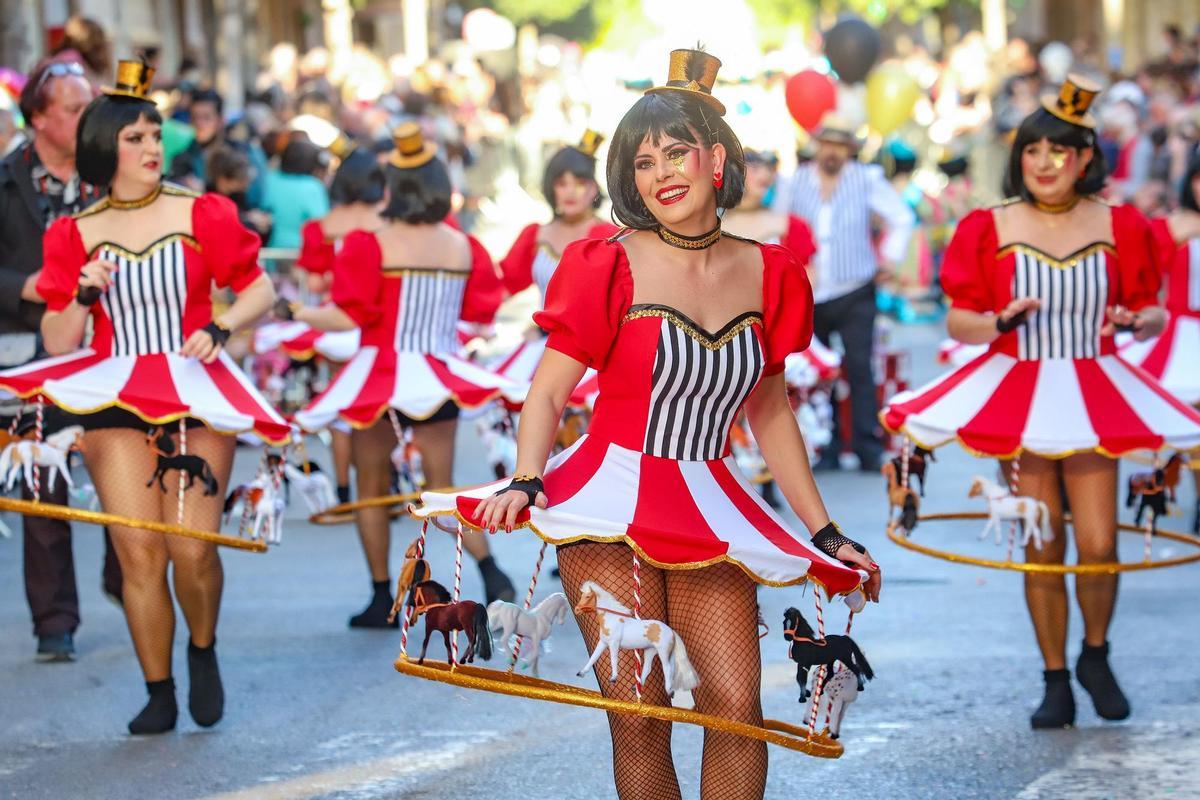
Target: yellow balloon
column 891, row 95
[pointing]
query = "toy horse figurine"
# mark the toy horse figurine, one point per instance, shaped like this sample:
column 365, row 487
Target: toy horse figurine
column 1033, row 514
column 840, row 690
column 414, row 571
column 442, row 614
column 901, row 497
column 194, row 466
column 621, row 630
column 1155, row 489
column 917, row 462
column 534, row 624
column 261, row 499
column 808, row 651
column 20, row 456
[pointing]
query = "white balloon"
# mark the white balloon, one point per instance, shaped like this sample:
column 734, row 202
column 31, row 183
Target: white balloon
column 1056, row 59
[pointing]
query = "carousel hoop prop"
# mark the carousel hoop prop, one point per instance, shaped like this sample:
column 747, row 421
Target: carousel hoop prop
column 783, row 734
column 33, row 508
column 343, row 513
column 1110, row 568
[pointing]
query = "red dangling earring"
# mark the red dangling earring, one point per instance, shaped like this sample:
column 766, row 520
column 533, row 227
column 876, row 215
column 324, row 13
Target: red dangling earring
column 718, row 180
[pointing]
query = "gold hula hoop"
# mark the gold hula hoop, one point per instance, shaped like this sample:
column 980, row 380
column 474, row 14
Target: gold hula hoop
column 344, row 512
column 55, row 511
column 1046, row 569
column 792, row 737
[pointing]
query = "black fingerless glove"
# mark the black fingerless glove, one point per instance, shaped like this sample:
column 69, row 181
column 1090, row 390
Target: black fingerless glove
column 830, row 539
column 1130, row 328
column 87, row 295
column 218, row 332
column 285, row 310
column 1013, row 322
column 529, row 484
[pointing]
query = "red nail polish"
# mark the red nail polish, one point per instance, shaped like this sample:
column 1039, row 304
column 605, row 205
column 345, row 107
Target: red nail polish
column 874, row 565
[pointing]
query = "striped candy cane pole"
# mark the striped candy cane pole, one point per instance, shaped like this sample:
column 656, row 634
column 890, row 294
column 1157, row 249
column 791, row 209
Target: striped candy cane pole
column 39, row 437
column 820, row 678
column 12, row 429
column 1149, row 526
column 406, row 619
column 182, row 452
column 458, row 550
column 905, row 451
column 1014, row 487
column 537, row 569
column 637, row 614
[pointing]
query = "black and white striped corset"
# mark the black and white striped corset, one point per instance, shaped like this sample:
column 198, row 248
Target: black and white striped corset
column 544, row 264
column 147, row 298
column 430, row 305
column 700, row 381
column 1073, row 292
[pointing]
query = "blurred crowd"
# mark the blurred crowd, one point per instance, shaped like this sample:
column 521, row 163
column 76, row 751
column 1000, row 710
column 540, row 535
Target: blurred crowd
column 274, row 150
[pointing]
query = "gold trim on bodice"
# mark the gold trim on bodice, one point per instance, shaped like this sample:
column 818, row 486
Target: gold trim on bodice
column 706, row 340
column 1057, row 263
column 150, row 249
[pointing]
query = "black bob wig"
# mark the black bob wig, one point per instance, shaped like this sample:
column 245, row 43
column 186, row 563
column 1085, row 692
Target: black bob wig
column 573, row 161
column 670, row 115
column 418, row 195
column 101, row 123
column 359, row 179
column 1041, row 124
column 1187, row 195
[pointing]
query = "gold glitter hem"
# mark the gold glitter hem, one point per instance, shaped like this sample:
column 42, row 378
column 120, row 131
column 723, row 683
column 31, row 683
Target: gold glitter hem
column 701, row 337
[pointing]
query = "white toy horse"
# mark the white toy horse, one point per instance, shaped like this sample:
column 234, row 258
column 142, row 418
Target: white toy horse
column 840, row 690
column 406, row 459
column 313, row 486
column 19, row 458
column 261, row 499
column 1033, row 514
column 620, row 630
column 534, row 624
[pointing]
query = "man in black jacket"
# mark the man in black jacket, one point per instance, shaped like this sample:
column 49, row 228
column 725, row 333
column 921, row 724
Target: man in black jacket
column 39, row 184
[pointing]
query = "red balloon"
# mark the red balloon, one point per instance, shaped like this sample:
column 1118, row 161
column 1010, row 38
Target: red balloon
column 809, row 95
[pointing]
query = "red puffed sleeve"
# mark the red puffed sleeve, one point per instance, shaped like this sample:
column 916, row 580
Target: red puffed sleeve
column 316, row 252
column 517, row 266
column 967, row 268
column 799, row 240
column 587, row 298
column 62, row 258
column 1139, row 276
column 485, row 290
column 787, row 306
column 358, row 278
column 229, row 249
column 1165, row 246
column 602, row 230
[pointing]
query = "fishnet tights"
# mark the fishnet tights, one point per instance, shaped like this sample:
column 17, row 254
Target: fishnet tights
column 715, row 611
column 1090, row 481
column 119, row 463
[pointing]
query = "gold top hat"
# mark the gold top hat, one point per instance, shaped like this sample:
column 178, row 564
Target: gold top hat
column 1073, row 101
column 590, row 143
column 411, row 148
column 693, row 71
column 133, row 79
column 342, row 146
column 836, row 128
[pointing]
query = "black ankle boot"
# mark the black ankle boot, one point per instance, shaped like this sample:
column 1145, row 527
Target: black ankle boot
column 496, row 585
column 160, row 712
column 1058, row 706
column 343, row 493
column 1096, row 677
column 375, row 615
column 206, row 695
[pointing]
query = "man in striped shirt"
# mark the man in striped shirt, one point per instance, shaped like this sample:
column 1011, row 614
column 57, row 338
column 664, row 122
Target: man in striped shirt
column 841, row 199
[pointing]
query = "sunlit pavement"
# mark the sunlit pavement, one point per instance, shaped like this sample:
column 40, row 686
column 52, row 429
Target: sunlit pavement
column 316, row 710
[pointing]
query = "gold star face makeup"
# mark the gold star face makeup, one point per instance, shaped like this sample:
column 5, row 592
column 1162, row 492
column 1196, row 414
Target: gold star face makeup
column 678, row 158
column 1058, row 158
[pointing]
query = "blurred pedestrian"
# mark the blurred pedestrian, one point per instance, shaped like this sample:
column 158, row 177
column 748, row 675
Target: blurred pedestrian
column 295, row 193
column 87, row 38
column 840, row 199
column 39, row 184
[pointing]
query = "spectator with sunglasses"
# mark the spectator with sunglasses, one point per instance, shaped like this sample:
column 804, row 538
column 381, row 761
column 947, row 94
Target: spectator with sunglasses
column 39, row 184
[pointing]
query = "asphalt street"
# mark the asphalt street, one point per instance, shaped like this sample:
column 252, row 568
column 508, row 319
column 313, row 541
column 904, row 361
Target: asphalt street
column 316, row 710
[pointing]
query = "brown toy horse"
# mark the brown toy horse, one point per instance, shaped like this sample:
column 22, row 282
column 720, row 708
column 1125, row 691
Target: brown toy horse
column 918, row 460
column 442, row 614
column 1155, row 488
column 901, row 497
column 414, row 571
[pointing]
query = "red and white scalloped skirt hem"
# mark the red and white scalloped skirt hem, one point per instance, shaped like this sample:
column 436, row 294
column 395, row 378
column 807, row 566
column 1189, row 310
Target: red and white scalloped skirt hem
column 676, row 514
column 303, row 342
column 158, row 388
column 1172, row 357
column 415, row 384
column 956, row 353
column 521, row 363
column 998, row 406
column 813, row 366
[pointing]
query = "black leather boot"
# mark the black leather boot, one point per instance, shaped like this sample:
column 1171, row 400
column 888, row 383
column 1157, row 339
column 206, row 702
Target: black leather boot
column 1096, row 677
column 206, row 695
column 1058, row 706
column 160, row 712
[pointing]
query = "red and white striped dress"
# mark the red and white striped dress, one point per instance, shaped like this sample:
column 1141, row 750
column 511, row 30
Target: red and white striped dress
column 654, row 469
column 159, row 297
column 409, row 318
column 1055, row 385
column 1174, row 357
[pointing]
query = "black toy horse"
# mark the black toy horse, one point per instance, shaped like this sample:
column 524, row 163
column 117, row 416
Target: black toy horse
column 918, row 460
column 1154, row 489
column 194, row 466
column 808, row 651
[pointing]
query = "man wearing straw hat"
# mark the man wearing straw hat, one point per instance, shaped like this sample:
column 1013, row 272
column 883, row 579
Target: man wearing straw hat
column 839, row 198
